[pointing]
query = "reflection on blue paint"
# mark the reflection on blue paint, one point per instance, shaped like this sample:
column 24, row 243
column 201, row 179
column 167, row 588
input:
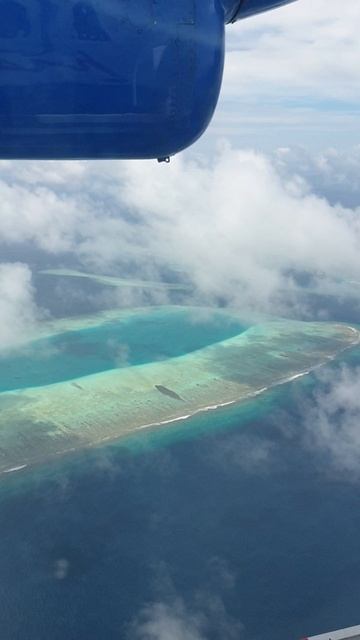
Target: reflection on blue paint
column 105, row 79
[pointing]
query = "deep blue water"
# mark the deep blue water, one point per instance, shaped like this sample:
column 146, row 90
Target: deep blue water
column 156, row 335
column 231, row 512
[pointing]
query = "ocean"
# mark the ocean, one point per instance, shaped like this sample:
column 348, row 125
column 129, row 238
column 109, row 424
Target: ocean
column 228, row 525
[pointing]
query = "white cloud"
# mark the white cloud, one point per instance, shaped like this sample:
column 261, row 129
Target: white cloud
column 173, row 620
column 18, row 311
column 236, row 225
column 61, row 568
column 292, row 74
column 201, row 616
column 253, row 455
column 305, row 48
column 35, row 213
column 333, row 421
column 332, row 174
column 160, row 621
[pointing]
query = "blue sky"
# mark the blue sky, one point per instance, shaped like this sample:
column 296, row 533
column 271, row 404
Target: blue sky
column 292, row 78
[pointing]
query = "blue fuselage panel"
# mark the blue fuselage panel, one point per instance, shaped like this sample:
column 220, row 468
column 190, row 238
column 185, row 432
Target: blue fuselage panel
column 107, row 78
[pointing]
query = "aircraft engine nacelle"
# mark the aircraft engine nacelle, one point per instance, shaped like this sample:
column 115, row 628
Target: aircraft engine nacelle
column 111, row 78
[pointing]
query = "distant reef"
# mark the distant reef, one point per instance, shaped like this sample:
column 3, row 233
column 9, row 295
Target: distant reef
column 114, row 281
column 39, row 423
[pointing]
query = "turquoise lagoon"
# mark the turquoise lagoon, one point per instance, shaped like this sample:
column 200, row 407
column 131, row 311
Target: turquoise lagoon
column 79, row 347
column 85, row 381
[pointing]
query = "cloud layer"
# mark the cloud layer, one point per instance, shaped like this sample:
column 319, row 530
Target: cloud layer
column 292, row 75
column 237, row 225
column 172, row 619
column 18, row 311
column 333, row 421
column 305, row 49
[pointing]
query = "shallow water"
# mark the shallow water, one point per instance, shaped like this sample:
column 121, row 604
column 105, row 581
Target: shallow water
column 41, row 422
column 153, row 336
